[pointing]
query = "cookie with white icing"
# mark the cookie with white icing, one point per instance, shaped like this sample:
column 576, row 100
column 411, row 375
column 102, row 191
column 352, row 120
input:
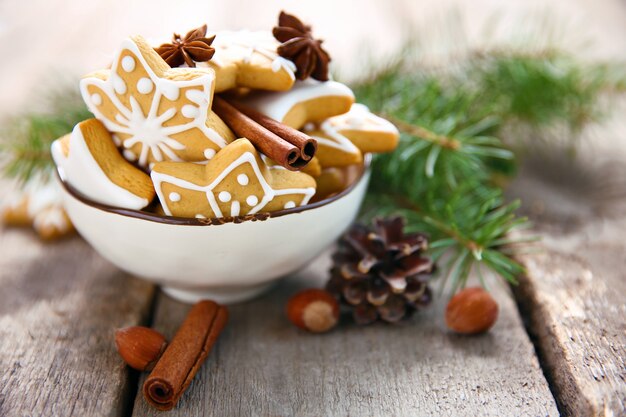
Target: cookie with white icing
column 367, row 131
column 248, row 59
column 91, row 163
column 308, row 101
column 14, row 211
column 39, row 204
column 52, row 223
column 235, row 182
column 342, row 139
column 313, row 168
column 156, row 113
column 333, row 149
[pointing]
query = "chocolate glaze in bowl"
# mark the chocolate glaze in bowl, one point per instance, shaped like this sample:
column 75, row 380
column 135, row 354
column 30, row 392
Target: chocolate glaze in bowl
column 194, row 259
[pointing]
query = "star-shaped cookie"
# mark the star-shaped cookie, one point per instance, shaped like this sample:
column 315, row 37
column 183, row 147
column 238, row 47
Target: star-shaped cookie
column 235, row 182
column 342, row 139
column 156, row 113
column 308, row 101
column 333, row 149
column 367, row 131
column 249, row 59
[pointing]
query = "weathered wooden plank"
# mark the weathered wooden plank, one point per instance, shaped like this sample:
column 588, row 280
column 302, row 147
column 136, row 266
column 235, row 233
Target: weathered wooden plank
column 577, row 318
column 59, row 306
column 573, row 294
column 262, row 365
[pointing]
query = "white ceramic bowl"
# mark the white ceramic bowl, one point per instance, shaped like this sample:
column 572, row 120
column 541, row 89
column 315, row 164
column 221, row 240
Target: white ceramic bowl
column 225, row 262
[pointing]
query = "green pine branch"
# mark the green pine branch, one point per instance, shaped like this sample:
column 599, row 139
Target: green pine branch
column 26, row 139
column 459, row 129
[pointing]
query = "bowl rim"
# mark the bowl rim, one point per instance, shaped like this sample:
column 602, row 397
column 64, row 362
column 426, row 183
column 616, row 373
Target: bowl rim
column 216, row 221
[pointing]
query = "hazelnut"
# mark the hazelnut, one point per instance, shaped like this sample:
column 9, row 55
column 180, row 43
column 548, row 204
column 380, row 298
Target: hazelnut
column 471, row 311
column 314, row 310
column 140, row 347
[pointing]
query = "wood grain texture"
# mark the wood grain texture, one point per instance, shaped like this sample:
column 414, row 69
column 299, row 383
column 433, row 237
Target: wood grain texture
column 262, row 365
column 573, row 293
column 578, row 321
column 59, row 306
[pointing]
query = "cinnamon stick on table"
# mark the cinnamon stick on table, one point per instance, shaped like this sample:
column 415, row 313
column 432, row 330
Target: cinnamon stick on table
column 306, row 144
column 185, row 354
column 270, row 143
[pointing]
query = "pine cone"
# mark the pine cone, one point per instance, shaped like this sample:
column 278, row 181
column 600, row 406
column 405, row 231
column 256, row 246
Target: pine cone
column 381, row 273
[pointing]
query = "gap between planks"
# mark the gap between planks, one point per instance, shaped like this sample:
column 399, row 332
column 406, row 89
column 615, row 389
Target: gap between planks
column 575, row 314
column 262, row 365
column 572, row 295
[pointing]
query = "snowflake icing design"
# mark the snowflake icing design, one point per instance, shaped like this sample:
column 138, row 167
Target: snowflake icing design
column 155, row 113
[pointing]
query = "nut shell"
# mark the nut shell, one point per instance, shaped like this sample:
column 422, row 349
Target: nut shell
column 314, row 310
column 140, row 347
column 471, row 311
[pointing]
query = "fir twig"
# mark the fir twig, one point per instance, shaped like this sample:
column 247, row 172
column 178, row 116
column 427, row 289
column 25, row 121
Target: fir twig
column 27, row 138
column 445, row 176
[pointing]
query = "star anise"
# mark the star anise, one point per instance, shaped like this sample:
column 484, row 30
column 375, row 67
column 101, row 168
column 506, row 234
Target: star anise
column 194, row 47
column 299, row 46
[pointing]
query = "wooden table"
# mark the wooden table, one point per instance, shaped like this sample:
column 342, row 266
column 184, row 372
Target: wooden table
column 558, row 346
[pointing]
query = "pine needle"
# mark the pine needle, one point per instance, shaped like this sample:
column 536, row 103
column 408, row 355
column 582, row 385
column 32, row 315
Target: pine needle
column 457, row 132
column 27, row 138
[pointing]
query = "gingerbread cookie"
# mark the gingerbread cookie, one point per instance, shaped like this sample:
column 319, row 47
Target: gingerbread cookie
column 313, row 168
column 52, row 223
column 155, row 112
column 330, row 182
column 89, row 161
column 235, row 182
column 15, row 211
column 248, row 59
column 368, row 132
column 308, row 101
column 39, row 204
column 333, row 149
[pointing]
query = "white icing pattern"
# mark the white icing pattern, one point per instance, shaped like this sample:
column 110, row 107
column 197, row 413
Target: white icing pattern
column 334, row 140
column 242, row 179
column 133, row 126
column 359, row 118
column 81, row 170
column 246, row 158
column 209, row 153
column 41, row 192
column 245, row 45
column 44, row 204
column 277, row 104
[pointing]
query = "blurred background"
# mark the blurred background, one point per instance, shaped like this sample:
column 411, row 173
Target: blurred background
column 47, row 42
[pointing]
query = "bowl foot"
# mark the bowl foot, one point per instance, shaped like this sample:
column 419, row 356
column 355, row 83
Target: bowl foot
column 224, row 295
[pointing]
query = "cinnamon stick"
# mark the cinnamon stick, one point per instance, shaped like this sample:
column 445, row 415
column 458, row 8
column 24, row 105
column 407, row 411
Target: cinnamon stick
column 185, row 354
column 272, row 145
column 306, row 144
